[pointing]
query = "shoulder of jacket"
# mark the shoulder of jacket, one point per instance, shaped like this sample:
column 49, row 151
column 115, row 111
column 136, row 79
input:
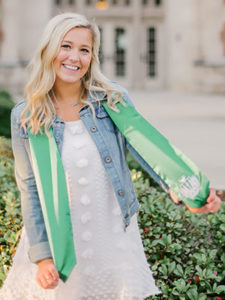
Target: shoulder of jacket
column 124, row 92
column 17, row 109
column 119, row 87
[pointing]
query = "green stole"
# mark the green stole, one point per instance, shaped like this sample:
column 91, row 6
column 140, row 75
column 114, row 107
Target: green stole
column 52, row 190
column 181, row 175
column 173, row 167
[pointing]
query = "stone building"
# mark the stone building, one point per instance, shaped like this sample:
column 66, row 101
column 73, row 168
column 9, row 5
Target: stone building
column 147, row 44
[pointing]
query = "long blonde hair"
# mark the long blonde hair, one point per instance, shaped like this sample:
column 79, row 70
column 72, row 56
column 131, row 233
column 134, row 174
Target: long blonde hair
column 39, row 111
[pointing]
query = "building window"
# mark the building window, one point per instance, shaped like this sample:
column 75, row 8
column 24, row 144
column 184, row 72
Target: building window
column 88, row 2
column 148, row 2
column 71, row 2
column 58, row 2
column 151, row 52
column 120, row 52
column 158, row 2
column 121, row 2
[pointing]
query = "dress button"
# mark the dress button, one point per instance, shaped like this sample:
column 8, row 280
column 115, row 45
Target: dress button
column 88, row 253
column 85, row 200
column 86, row 236
column 83, row 181
column 82, row 163
column 93, row 129
column 85, row 217
column 108, row 159
column 120, row 192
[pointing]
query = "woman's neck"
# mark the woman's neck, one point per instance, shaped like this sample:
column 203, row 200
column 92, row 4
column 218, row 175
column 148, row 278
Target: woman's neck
column 67, row 93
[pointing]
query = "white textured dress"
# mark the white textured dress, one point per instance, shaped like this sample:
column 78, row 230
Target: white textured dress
column 111, row 263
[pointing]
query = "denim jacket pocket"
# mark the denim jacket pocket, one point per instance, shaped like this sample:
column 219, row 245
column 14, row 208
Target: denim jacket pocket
column 102, row 115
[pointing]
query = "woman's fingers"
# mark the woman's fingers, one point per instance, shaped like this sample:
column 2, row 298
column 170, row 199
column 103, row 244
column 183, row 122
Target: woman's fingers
column 212, row 195
column 54, row 273
column 47, row 282
column 214, row 205
column 47, row 275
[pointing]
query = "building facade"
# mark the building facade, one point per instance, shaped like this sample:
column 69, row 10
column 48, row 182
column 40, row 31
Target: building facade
column 146, row 44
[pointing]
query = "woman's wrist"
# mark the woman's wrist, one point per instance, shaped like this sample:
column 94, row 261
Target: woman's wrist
column 45, row 260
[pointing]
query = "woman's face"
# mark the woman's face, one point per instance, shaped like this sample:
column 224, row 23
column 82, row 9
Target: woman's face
column 74, row 57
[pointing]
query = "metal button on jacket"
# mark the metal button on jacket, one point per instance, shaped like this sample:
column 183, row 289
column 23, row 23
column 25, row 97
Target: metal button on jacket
column 108, row 159
column 121, row 192
column 94, row 129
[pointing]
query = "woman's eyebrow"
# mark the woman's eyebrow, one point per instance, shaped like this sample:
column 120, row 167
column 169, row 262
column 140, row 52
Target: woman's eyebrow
column 67, row 42
column 84, row 45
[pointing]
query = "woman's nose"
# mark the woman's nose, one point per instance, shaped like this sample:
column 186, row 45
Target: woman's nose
column 74, row 56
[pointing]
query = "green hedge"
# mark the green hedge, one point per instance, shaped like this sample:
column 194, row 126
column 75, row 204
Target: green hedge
column 6, row 104
column 10, row 214
column 185, row 250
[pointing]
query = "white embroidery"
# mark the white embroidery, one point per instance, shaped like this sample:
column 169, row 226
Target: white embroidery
column 189, row 186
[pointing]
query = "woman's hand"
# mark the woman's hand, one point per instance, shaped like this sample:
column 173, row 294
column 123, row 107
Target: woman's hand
column 47, row 274
column 213, row 204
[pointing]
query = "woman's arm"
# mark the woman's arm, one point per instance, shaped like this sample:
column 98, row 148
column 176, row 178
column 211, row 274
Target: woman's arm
column 47, row 275
column 30, row 204
column 213, row 201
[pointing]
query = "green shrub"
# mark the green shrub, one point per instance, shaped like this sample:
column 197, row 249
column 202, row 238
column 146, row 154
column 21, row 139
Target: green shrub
column 6, row 104
column 185, row 250
column 10, row 214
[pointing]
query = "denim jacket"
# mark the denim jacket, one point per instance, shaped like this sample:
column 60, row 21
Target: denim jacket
column 111, row 146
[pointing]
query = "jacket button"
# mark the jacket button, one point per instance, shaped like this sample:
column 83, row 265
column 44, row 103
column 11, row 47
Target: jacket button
column 121, row 192
column 93, row 129
column 108, row 159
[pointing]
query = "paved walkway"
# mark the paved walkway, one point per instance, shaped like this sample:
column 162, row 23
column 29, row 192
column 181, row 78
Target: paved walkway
column 194, row 123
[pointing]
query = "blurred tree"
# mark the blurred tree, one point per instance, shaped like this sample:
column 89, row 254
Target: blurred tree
column 6, row 104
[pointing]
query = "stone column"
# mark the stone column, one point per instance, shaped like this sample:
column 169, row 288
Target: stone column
column 182, row 43
column 32, row 25
column 80, row 6
column 22, row 24
column 137, row 72
column 108, row 49
column 10, row 30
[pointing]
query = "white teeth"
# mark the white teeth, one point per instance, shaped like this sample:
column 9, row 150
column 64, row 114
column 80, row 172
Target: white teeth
column 71, row 67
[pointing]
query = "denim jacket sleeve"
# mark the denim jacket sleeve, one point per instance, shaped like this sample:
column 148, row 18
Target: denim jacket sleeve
column 139, row 159
column 30, row 204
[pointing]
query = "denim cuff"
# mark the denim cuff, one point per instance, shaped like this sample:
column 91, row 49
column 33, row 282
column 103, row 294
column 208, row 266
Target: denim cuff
column 39, row 251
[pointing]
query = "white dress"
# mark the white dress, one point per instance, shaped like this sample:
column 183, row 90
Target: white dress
column 111, row 263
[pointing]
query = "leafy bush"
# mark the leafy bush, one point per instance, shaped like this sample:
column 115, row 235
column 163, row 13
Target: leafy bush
column 185, row 250
column 10, row 215
column 6, row 104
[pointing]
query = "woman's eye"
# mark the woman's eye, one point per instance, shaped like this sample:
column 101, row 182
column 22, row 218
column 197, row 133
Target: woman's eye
column 66, row 46
column 85, row 50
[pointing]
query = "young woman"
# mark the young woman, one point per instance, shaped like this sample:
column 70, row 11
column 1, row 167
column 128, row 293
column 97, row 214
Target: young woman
column 64, row 92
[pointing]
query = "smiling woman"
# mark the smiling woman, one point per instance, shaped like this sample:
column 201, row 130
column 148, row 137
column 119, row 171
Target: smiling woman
column 100, row 250
column 80, row 238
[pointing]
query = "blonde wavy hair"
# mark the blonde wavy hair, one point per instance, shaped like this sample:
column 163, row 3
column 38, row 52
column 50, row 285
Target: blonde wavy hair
column 39, row 111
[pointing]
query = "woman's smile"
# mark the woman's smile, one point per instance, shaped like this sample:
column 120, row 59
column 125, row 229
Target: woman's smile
column 71, row 68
